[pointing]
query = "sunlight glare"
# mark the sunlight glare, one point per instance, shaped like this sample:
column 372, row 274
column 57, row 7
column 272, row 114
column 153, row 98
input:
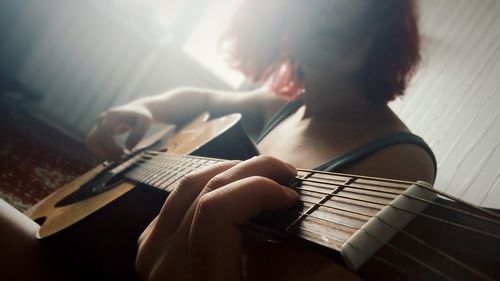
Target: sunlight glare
column 202, row 43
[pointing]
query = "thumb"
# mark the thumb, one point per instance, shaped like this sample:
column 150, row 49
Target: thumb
column 142, row 125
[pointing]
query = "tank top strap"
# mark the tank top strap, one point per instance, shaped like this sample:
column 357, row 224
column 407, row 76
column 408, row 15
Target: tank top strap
column 373, row 146
column 281, row 114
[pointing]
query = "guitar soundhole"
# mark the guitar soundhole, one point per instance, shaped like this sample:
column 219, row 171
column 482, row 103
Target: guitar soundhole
column 97, row 185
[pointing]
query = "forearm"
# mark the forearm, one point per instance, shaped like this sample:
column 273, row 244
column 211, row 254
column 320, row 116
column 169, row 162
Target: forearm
column 176, row 106
column 183, row 104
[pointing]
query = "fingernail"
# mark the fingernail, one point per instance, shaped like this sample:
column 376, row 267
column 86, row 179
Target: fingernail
column 292, row 168
column 290, row 192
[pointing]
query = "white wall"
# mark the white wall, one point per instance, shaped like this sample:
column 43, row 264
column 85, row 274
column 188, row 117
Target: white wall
column 83, row 60
column 454, row 102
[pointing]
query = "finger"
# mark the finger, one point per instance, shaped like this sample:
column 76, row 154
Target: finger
column 166, row 223
column 215, row 237
column 179, row 201
column 105, row 138
column 139, row 129
column 111, row 150
column 100, row 141
column 265, row 166
column 122, row 129
column 92, row 142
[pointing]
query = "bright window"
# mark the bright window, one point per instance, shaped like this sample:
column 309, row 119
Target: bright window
column 156, row 21
column 202, row 42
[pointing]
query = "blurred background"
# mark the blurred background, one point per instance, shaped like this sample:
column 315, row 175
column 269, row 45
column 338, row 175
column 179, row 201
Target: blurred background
column 64, row 61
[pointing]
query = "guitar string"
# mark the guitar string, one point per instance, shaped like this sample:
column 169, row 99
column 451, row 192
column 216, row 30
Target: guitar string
column 420, row 241
column 440, row 252
column 329, row 183
column 348, row 186
column 320, row 184
column 341, row 196
column 418, row 214
column 360, row 177
column 350, row 203
column 435, row 249
column 339, row 209
column 463, row 227
column 330, row 221
column 342, row 176
column 370, row 255
column 415, row 259
column 144, row 176
column 408, row 255
column 349, row 198
column 391, row 264
column 410, row 183
column 401, row 251
column 165, row 155
column 458, row 200
column 322, row 200
column 479, row 231
column 428, row 201
column 476, row 216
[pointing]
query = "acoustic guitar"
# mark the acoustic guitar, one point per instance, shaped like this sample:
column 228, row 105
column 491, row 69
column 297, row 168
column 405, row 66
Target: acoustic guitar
column 346, row 227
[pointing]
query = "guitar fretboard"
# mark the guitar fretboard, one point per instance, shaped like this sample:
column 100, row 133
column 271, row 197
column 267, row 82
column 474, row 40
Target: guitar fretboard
column 332, row 206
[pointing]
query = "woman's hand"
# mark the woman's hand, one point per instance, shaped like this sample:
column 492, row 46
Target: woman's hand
column 197, row 235
column 133, row 119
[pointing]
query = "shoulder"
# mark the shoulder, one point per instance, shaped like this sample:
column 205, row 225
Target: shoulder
column 405, row 161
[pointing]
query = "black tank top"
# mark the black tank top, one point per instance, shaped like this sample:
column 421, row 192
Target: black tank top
column 356, row 154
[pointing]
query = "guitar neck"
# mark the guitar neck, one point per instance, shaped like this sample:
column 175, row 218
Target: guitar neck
column 332, row 206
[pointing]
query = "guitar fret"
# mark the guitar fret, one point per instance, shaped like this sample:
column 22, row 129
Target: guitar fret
column 322, row 201
column 163, row 184
column 166, row 186
column 338, row 201
column 320, row 238
column 352, row 186
column 156, row 182
column 403, row 184
column 330, row 221
column 346, row 191
column 163, row 170
column 373, row 192
column 369, row 216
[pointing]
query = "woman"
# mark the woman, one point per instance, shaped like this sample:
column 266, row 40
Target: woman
column 340, row 63
column 332, row 67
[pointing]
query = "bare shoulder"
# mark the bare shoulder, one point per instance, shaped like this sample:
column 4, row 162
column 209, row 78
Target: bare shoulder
column 403, row 161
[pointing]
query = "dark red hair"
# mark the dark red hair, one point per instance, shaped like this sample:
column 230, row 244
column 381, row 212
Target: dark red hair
column 255, row 44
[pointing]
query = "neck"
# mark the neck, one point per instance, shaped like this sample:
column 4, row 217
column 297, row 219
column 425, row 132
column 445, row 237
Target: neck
column 329, row 98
